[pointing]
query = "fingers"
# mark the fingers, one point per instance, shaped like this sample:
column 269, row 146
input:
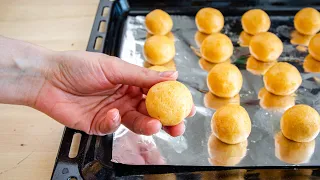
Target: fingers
column 193, row 111
column 140, row 123
column 108, row 124
column 118, row 71
column 175, row 131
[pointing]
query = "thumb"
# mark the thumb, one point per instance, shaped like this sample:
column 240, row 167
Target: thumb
column 109, row 123
column 118, row 71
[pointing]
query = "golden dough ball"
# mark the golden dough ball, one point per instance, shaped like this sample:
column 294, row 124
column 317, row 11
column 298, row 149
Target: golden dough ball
column 214, row 102
column 255, row 21
column 169, row 176
column 301, row 123
column 159, row 68
column 169, row 101
column 282, row 79
column 275, row 102
column 307, row 21
column 293, row 152
column 244, row 39
column 231, row 124
column 257, row 67
column 311, row 65
column 209, row 20
column 216, row 48
column 314, row 47
column 222, row 154
column 158, row 22
column 171, row 65
column 300, row 39
column 266, row 47
column 199, row 37
column 224, row 80
column 207, row 66
column 159, row 50
column 169, row 35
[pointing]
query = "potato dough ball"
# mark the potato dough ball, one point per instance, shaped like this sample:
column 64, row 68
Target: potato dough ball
column 300, row 39
column 158, row 22
column 207, row 66
column 314, row 47
column 255, row 21
column 169, row 101
column 257, row 67
column 282, row 79
column 216, row 48
column 301, row 123
column 244, row 39
column 307, row 21
column 266, row 47
column 293, row 152
column 311, row 65
column 159, row 68
column 169, row 35
column 199, row 37
column 214, row 102
column 275, row 102
column 159, row 50
column 209, row 20
column 231, row 124
column 224, row 80
column 222, row 154
column 171, row 65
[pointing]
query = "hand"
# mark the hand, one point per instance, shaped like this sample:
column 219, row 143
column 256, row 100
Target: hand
column 95, row 93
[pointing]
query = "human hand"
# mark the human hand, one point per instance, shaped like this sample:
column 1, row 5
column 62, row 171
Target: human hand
column 95, row 93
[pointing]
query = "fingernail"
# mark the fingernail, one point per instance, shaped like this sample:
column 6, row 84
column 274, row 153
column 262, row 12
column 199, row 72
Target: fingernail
column 115, row 119
column 154, row 124
column 168, row 74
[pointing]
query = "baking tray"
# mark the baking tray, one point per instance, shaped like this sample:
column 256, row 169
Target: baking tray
column 95, row 153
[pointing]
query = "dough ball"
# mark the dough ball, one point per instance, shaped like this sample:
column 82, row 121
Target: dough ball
column 158, row 22
column 314, row 47
column 266, row 47
column 199, row 37
column 224, row 80
column 274, row 102
column 307, row 21
column 301, row 123
column 222, row 154
column 169, row 35
column 231, row 124
column 169, row 101
column 258, row 67
column 159, row 68
column 300, row 39
column 282, row 79
column 168, row 176
column 171, row 65
column 311, row 65
column 214, row 102
column 244, row 39
column 209, row 20
column 207, row 66
column 216, row 48
column 292, row 152
column 159, row 50
column 255, row 21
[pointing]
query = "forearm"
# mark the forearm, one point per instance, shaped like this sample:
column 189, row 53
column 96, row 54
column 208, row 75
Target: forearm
column 22, row 69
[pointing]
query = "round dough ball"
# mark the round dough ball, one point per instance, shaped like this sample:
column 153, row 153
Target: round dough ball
column 255, row 21
column 275, row 102
column 159, row 50
column 266, row 47
column 199, row 37
column 307, row 21
column 169, row 35
column 293, row 152
column 171, row 65
column 158, row 22
column 224, row 80
column 222, row 154
column 311, row 65
column 159, row 68
column 231, row 124
column 216, row 48
column 257, row 67
column 282, row 79
column 244, row 39
column 207, row 66
column 169, row 101
column 300, row 39
column 209, row 20
column 301, row 123
column 214, row 102
column 314, row 47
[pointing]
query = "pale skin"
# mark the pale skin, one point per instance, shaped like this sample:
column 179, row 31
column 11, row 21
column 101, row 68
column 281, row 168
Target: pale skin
column 91, row 92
